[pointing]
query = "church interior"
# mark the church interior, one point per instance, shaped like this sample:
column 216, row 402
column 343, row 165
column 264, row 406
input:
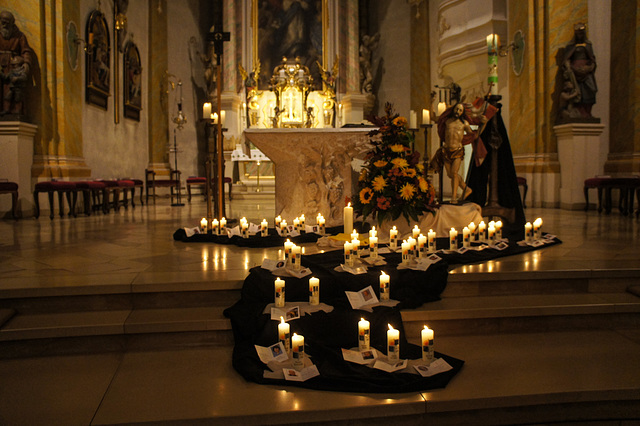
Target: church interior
column 135, row 121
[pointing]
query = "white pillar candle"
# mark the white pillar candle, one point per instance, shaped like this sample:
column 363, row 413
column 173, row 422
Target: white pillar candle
column 355, row 250
column 426, row 119
column 473, row 231
column 203, row 225
column 296, row 224
column 453, row 239
column 413, row 245
column 481, row 231
column 279, row 293
column 537, row 228
column 321, row 224
column 288, row 246
column 393, row 344
column 283, row 228
column 373, row 247
column 206, row 110
column 441, row 108
column 354, row 235
column 284, row 335
column 277, row 221
column 297, row 345
column 405, row 246
column 492, row 233
column 347, row 218
column 348, row 253
column 499, row 230
column 466, row 237
column 364, row 335
column 427, row 344
column 223, row 225
column 302, row 221
column 431, row 240
column 314, row 291
column 413, row 119
column 264, row 228
column 393, row 238
column 373, row 232
column 296, row 257
column 422, row 246
column 415, row 231
column 214, row 226
column 384, row 286
column 244, row 227
column 528, row 232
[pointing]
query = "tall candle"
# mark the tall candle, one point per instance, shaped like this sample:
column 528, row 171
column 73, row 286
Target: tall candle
column 472, row 231
column 442, row 107
column 528, row 232
column 214, row 226
column 481, row 231
column 393, row 238
column 426, row 119
column 223, row 225
column 288, row 246
column 492, row 45
column 297, row 345
column 415, row 231
column 373, row 247
column 393, row 344
column 206, row 110
column 364, row 335
column 427, row 344
column 453, row 239
column 347, row 216
column 466, row 237
column 499, row 230
column 492, row 233
column 321, row 224
column 284, row 336
column 314, row 291
column 413, row 119
column 296, row 257
column 348, row 253
column 264, row 228
column 384, row 286
column 203, row 225
column 422, row 246
column 537, row 228
column 405, row 252
column 279, row 293
column 431, row 238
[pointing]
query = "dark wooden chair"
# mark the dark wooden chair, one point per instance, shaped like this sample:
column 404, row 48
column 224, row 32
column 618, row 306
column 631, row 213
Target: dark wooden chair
column 151, row 183
column 62, row 188
column 202, row 181
column 11, row 188
column 94, row 196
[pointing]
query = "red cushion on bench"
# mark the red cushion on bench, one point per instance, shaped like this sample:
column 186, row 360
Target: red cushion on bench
column 55, row 185
column 8, row 186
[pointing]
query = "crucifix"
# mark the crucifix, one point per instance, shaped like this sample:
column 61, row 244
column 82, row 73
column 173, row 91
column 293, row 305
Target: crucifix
column 217, row 37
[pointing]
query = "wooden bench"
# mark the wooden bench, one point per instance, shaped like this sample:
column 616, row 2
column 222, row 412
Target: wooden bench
column 628, row 187
column 61, row 188
column 11, row 188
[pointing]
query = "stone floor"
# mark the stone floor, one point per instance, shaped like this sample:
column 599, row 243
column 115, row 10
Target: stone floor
column 504, row 374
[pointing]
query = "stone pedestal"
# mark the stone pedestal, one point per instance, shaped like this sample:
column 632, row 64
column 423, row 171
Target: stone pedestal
column 578, row 154
column 353, row 108
column 16, row 159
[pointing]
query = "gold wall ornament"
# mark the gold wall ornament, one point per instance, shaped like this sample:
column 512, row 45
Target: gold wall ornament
column 290, row 82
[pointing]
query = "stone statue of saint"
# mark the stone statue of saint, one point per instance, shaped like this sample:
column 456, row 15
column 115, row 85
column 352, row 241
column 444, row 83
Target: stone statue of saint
column 15, row 66
column 578, row 67
column 368, row 45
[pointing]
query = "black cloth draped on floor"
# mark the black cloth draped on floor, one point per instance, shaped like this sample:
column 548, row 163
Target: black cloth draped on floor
column 326, row 333
column 273, row 239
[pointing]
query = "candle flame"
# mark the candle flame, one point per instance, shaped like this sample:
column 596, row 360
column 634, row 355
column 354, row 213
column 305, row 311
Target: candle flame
column 349, row 205
column 383, row 273
column 361, row 319
column 282, row 320
column 390, row 327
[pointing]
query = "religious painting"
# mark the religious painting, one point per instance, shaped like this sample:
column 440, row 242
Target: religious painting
column 132, row 82
column 291, row 29
column 98, row 62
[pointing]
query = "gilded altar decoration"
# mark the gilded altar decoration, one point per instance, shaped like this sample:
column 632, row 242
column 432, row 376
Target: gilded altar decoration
column 132, row 82
column 291, row 82
column 98, row 62
column 392, row 181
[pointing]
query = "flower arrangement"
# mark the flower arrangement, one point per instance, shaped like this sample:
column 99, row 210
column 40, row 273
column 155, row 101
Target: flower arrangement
column 392, row 181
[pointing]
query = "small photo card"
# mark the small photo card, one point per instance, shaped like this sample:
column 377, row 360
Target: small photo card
column 375, row 261
column 501, row 246
column 294, row 375
column 390, row 368
column 272, row 353
column 234, row 231
column 463, row 250
column 549, row 237
column 191, row 231
column 288, row 313
column 437, row 366
column 302, row 272
column 355, row 270
column 364, row 297
column 384, row 250
column 273, row 265
column 358, row 357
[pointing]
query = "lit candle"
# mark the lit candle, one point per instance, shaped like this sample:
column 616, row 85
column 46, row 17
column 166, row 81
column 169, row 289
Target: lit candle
column 415, row 231
column 354, row 235
column 413, row 245
column 492, row 232
column 279, row 293
column 206, row 110
column 466, row 237
column 528, row 232
column 296, row 257
column 223, row 114
column 203, row 225
column 492, row 45
column 302, row 220
column 453, row 239
column 422, row 243
column 537, row 228
column 297, row 344
column 314, row 291
column 214, row 118
column 244, row 226
column 283, row 228
column 277, row 221
column 373, row 247
column 413, row 119
column 355, row 248
column 481, row 231
column 296, row 224
column 284, row 336
column 441, row 108
column 499, row 230
column 431, row 238
column 384, row 286
column 364, row 335
column 393, row 344
column 405, row 252
column 348, row 219
column 264, row 228
column 373, row 232
column 426, row 119
column 348, row 253
column 214, row 226
column 288, row 246
column 427, row 344
column 393, row 238
column 321, row 224
column 472, row 231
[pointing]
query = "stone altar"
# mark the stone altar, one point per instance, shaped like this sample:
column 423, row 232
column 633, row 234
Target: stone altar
column 313, row 168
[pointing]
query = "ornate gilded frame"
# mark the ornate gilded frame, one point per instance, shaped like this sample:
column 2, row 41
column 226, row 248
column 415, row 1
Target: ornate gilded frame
column 132, row 87
column 98, row 60
column 268, row 67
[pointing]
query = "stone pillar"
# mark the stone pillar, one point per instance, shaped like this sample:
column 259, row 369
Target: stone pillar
column 16, row 158
column 578, row 145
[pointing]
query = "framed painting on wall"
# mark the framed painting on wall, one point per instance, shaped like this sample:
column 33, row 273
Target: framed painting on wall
column 291, row 29
column 132, row 88
column 98, row 63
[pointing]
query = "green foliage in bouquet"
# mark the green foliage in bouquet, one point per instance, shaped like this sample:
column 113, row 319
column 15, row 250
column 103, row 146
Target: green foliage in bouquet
column 392, row 181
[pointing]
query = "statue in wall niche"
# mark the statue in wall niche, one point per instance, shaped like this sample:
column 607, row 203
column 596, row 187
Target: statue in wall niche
column 578, row 68
column 368, row 45
column 15, row 66
column 209, row 63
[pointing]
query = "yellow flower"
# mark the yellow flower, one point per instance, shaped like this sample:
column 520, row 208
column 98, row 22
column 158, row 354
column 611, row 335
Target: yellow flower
column 420, row 167
column 380, row 163
column 409, row 172
column 366, row 194
column 379, row 183
column 423, row 184
column 363, row 175
column 407, row 191
column 397, row 147
column 400, row 163
column 400, row 121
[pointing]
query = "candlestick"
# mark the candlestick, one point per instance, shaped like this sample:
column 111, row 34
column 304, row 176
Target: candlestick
column 279, row 293
column 393, row 238
column 431, row 238
column 453, row 239
column 203, row 225
column 393, row 344
column 384, row 286
column 364, row 335
column 314, row 291
column 427, row 344
column 347, row 215
column 284, row 336
column 297, row 343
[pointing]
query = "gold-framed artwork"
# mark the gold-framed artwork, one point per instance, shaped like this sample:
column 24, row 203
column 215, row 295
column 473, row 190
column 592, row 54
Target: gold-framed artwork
column 291, row 29
column 132, row 87
column 98, row 60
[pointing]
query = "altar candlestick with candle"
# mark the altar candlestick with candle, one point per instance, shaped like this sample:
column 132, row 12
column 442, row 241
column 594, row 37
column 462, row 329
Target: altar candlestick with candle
column 431, row 240
column 279, row 293
column 528, row 232
column 466, row 237
column 284, row 335
column 453, row 239
column 364, row 335
column 384, row 286
column 297, row 344
column 203, row 225
column 347, row 217
column 264, row 228
column 427, row 344
column 393, row 344
column 482, row 236
column 426, row 119
column 422, row 246
column 393, row 238
column 314, row 291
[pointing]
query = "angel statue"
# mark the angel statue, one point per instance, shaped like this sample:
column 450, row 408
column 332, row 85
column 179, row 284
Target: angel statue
column 209, row 64
column 329, row 78
column 250, row 81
